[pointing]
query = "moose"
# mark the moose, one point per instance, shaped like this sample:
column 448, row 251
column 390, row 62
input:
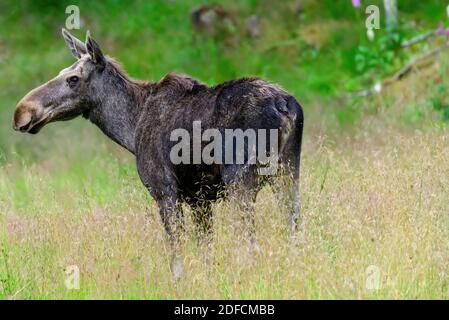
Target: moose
column 140, row 116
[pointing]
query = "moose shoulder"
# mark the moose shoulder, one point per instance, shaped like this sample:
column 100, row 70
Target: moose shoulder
column 143, row 117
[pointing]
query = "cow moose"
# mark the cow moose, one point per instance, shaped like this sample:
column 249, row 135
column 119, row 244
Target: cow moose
column 140, row 116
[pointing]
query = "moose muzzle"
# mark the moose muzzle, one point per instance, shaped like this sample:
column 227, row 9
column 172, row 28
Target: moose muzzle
column 28, row 116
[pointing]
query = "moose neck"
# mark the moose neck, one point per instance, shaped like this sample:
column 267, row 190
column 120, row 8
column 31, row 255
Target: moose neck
column 119, row 105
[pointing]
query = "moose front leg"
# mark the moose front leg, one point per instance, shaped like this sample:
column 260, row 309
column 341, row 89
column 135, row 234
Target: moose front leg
column 162, row 185
column 171, row 214
column 172, row 219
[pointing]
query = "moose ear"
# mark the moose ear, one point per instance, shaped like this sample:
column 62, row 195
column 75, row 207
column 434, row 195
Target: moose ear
column 76, row 46
column 94, row 51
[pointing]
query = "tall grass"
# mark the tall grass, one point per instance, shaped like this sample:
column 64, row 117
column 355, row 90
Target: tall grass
column 370, row 199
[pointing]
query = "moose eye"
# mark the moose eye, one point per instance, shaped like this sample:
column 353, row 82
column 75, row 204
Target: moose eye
column 72, row 81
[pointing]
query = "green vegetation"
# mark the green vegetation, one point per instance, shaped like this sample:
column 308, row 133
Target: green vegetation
column 374, row 174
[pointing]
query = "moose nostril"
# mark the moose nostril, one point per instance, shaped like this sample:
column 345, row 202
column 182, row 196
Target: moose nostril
column 22, row 120
column 22, row 127
column 25, row 127
column 25, row 115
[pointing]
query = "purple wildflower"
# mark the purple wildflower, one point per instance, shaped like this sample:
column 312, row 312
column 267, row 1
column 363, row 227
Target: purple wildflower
column 440, row 29
column 356, row 3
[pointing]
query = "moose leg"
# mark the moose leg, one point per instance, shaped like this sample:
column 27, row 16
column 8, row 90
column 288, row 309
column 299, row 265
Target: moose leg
column 171, row 215
column 162, row 185
column 292, row 202
column 290, row 164
column 293, row 196
column 295, row 207
column 286, row 188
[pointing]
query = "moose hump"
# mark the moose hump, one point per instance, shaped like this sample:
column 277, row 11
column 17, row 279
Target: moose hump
column 178, row 84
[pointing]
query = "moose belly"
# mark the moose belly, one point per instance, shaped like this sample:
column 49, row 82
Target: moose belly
column 199, row 181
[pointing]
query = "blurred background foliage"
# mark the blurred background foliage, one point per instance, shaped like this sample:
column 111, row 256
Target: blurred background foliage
column 317, row 50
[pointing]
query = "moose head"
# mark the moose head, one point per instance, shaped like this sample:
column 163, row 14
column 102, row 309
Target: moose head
column 68, row 95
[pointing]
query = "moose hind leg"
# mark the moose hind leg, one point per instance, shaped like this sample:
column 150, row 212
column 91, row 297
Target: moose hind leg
column 290, row 167
column 295, row 204
column 293, row 199
column 286, row 190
